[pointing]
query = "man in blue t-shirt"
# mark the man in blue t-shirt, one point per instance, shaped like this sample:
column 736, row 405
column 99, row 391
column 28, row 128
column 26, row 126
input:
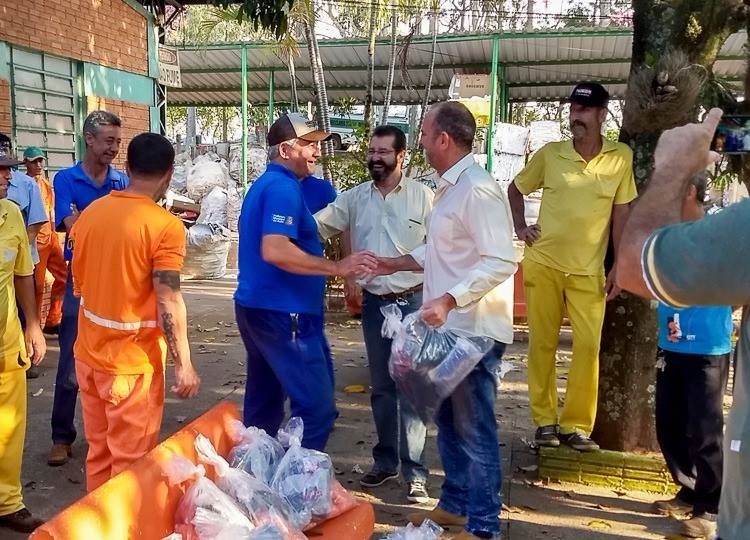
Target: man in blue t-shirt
column 75, row 188
column 281, row 281
column 691, row 377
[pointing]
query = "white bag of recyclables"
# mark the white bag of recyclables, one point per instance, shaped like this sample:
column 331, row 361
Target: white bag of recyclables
column 214, row 207
column 257, row 158
column 510, row 139
column 543, row 132
column 255, row 451
column 205, row 174
column 234, row 207
column 428, row 530
column 207, row 251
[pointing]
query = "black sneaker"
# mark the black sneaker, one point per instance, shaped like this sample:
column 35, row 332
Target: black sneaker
column 21, row 521
column 377, row 478
column 579, row 441
column 547, row 436
column 33, row 372
column 418, row 492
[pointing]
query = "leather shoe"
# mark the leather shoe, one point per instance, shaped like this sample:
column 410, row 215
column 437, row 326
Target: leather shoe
column 21, row 521
column 59, row 455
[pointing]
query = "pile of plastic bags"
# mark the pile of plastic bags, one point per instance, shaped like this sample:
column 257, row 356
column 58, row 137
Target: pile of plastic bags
column 427, row 364
column 428, row 530
column 265, row 494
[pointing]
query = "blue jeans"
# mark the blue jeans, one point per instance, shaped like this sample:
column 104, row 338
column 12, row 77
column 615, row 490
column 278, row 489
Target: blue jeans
column 400, row 436
column 286, row 359
column 66, row 386
column 469, row 449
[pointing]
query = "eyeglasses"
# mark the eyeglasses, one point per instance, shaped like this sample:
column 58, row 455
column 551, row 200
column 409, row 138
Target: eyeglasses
column 380, row 153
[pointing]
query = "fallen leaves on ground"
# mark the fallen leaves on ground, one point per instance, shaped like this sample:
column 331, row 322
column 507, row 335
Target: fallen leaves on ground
column 599, row 524
column 355, row 389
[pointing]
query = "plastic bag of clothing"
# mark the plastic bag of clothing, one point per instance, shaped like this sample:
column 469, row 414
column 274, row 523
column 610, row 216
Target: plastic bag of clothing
column 305, row 479
column 427, row 364
column 255, row 498
column 207, row 251
column 428, row 530
column 214, row 207
column 205, row 512
column 255, row 451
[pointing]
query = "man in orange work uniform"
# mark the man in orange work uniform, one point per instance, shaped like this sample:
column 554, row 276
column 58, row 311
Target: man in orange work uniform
column 47, row 243
column 126, row 272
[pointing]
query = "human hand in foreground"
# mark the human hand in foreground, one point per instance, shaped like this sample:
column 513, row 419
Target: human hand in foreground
column 435, row 312
column 187, row 381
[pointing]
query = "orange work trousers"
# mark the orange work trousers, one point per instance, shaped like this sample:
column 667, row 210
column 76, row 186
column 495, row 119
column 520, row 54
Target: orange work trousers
column 51, row 258
column 121, row 417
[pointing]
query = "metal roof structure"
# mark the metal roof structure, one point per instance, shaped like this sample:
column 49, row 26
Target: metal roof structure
column 539, row 65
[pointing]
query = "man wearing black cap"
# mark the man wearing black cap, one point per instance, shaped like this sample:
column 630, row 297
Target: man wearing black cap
column 18, row 350
column 587, row 184
column 282, row 275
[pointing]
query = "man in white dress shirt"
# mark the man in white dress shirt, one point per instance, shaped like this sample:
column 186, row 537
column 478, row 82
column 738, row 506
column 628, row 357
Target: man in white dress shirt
column 387, row 216
column 468, row 262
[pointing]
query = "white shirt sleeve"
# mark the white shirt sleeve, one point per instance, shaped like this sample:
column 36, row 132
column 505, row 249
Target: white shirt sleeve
column 419, row 253
column 488, row 222
column 334, row 218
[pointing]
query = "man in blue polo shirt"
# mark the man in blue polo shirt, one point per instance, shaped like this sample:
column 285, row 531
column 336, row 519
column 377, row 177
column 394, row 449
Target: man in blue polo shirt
column 280, row 286
column 76, row 188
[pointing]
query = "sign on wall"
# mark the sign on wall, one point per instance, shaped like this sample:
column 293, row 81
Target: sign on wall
column 169, row 67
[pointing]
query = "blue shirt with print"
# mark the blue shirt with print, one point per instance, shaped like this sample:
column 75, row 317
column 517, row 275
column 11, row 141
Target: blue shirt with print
column 74, row 186
column 275, row 205
column 704, row 330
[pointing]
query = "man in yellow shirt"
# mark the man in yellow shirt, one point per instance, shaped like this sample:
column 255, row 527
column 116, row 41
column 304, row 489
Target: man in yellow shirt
column 587, row 184
column 18, row 350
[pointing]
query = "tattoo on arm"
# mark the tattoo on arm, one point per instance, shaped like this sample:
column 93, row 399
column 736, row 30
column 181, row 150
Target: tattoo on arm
column 167, row 322
column 170, row 278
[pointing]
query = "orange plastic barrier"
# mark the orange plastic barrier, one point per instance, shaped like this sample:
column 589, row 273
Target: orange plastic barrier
column 138, row 503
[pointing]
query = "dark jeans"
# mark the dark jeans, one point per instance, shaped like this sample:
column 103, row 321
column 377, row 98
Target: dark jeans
column 470, row 451
column 66, row 386
column 285, row 359
column 401, row 433
column 690, row 423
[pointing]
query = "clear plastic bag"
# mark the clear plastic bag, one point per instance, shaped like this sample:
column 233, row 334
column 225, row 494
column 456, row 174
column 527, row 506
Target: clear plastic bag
column 256, row 499
column 305, row 479
column 255, row 451
column 428, row 530
column 204, row 511
column 427, row 364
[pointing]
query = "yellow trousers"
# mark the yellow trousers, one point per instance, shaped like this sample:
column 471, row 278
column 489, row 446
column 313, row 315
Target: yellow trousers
column 12, row 435
column 549, row 293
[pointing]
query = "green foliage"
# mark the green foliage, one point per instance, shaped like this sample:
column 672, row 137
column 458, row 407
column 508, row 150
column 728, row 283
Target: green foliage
column 343, row 106
column 349, row 168
column 612, row 134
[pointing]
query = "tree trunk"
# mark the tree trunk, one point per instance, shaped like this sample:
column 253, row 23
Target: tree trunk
column 321, row 95
column 430, row 72
column 391, row 66
column 191, row 127
column 697, row 28
column 367, row 118
column 293, row 82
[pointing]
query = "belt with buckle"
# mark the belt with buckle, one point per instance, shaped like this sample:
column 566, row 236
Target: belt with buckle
column 403, row 294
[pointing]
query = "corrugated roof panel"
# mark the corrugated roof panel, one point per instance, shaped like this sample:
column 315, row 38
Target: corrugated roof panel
column 536, row 64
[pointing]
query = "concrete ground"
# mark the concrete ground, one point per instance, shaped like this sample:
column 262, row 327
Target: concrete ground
column 532, row 510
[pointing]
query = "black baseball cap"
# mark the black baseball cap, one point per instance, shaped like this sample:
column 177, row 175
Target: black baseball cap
column 590, row 94
column 295, row 126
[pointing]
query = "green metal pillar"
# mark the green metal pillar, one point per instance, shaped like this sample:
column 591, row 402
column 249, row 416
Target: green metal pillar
column 503, row 95
column 244, row 116
column 271, row 92
column 493, row 98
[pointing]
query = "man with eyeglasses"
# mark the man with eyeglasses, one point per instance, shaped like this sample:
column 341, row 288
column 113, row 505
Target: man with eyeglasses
column 282, row 277
column 387, row 216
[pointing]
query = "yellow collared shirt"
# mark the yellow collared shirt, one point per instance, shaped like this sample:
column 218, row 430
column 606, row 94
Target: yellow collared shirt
column 15, row 260
column 577, row 202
